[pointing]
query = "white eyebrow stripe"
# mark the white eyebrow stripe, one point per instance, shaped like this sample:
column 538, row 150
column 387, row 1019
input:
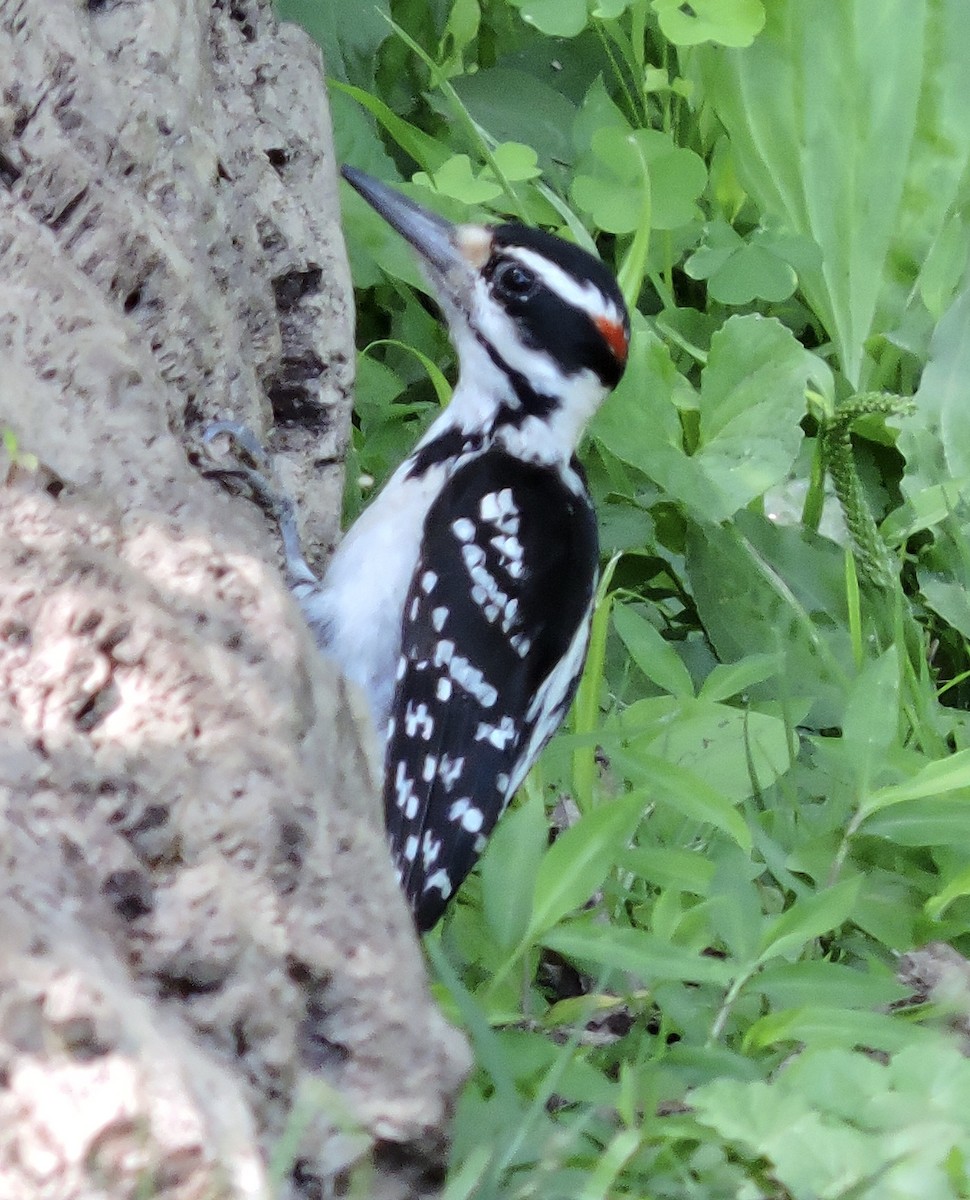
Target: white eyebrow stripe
column 585, row 296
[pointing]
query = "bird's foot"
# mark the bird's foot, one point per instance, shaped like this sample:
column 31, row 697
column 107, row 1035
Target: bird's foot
column 253, row 467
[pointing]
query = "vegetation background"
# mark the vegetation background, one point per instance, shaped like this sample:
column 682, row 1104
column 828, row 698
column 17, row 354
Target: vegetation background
column 692, row 992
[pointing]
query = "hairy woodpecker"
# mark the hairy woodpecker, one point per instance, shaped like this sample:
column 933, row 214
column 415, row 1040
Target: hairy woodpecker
column 461, row 598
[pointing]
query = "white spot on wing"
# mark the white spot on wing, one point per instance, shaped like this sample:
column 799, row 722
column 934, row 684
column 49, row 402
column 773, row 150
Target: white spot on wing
column 418, row 721
column 499, row 735
column 440, row 881
column 449, row 770
column 430, row 849
column 473, row 556
column 473, row 820
column 471, row 679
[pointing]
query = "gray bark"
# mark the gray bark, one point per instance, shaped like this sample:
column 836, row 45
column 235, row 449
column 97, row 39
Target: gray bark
column 209, row 984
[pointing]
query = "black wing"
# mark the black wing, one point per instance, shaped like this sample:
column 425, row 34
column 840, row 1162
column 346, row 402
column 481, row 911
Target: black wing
column 494, row 636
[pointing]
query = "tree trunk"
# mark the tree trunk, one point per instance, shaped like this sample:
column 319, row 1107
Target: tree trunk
column 209, row 984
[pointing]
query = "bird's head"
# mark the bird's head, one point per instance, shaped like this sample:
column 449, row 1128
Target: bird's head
column 540, row 325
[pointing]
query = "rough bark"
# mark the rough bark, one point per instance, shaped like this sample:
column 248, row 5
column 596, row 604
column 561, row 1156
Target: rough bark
column 209, row 985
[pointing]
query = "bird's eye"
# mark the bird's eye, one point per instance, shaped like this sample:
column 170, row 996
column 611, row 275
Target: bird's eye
column 512, row 281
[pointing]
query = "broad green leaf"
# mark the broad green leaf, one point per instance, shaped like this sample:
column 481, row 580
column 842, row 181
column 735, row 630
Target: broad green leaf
column 840, row 1122
column 820, row 982
column 634, row 176
column 754, row 273
column 733, row 679
column 456, row 179
column 926, row 822
column 639, row 422
column 752, row 399
column 739, row 270
column 822, row 140
column 937, row 445
column 509, row 869
column 668, row 867
column 425, row 150
column 762, row 588
column 926, row 508
column 558, row 18
column 540, row 117
column 945, row 265
column 350, row 33
column 956, row 889
column 462, row 27
column 687, row 791
column 872, row 714
column 888, row 908
column 945, row 775
column 821, row 1025
column 639, row 953
column 734, row 24
column 655, row 656
column 742, row 750
column 578, row 861
column 516, row 162
column 809, row 917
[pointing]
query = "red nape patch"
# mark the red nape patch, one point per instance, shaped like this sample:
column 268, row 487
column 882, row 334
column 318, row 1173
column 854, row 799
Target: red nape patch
column 615, row 336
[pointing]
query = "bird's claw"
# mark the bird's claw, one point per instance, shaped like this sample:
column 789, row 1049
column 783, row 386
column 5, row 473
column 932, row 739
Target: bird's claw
column 253, row 465
column 242, row 438
column 258, row 475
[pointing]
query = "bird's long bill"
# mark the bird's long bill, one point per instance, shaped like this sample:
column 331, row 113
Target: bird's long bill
column 436, row 239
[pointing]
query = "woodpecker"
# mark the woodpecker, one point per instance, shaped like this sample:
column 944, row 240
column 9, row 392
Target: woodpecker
column 460, row 600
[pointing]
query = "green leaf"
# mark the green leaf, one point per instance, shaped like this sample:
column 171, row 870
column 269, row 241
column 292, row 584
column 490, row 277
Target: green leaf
column 516, row 162
column 456, row 179
column 558, row 18
column 687, row 792
column 761, row 587
column 928, row 822
column 578, row 861
column 734, row 24
column 742, row 750
column 955, row 889
column 946, row 775
column 822, row 983
column 752, row 399
column 808, row 918
column 429, row 153
column 655, row 657
column 820, row 1025
column 732, row 679
column 668, row 867
column 509, row 870
column 740, row 270
column 836, row 156
column 541, row 117
column 634, row 176
column 639, row 422
column 872, row 713
column 937, row 446
column 636, row 952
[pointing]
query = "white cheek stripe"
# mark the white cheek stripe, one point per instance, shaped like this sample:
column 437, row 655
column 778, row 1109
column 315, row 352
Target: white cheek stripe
column 585, row 296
